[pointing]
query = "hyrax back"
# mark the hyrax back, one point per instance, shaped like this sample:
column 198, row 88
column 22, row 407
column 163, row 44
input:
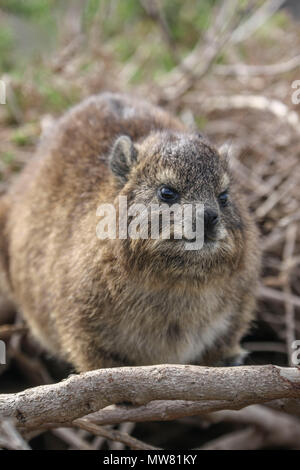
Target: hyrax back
column 100, row 303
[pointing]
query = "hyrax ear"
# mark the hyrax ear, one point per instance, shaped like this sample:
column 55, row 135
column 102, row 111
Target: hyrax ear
column 225, row 152
column 122, row 158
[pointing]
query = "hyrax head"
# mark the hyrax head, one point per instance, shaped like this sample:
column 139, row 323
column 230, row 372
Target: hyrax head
column 168, row 172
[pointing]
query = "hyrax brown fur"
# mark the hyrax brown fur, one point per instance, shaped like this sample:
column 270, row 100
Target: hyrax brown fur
column 116, row 302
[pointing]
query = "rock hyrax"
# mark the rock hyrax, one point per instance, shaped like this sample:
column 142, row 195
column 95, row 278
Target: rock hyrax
column 117, row 302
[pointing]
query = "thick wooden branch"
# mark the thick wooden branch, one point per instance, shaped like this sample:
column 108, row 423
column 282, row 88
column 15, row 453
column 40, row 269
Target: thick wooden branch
column 86, row 393
column 288, row 405
column 161, row 410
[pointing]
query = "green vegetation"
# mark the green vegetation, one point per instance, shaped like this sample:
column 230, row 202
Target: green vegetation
column 120, row 24
column 7, row 157
column 6, row 44
column 122, row 41
column 28, row 8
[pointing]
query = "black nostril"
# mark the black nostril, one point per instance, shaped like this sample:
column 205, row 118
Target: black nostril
column 211, row 218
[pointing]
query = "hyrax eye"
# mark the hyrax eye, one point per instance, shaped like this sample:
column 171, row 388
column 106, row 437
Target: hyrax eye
column 167, row 194
column 223, row 198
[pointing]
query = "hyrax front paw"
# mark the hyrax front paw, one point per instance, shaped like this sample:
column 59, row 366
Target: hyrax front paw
column 237, row 358
column 234, row 361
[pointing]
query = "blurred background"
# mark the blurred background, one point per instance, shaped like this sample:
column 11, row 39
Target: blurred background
column 224, row 67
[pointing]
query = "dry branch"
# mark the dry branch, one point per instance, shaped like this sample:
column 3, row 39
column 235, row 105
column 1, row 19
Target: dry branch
column 113, row 435
column 256, row 20
column 198, row 63
column 158, row 410
column 167, row 410
column 254, row 70
column 255, row 102
column 154, row 11
column 269, row 428
column 85, row 393
column 10, row 437
column 278, row 296
column 263, row 417
column 228, row 27
column 246, row 439
column 127, row 428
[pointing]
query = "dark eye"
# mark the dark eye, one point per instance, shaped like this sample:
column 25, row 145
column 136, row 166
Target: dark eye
column 223, row 198
column 167, row 194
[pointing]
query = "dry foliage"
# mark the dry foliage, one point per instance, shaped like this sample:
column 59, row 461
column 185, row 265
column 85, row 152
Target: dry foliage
column 247, row 107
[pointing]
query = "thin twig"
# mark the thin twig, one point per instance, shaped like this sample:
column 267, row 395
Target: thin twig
column 10, row 437
column 245, row 70
column 113, row 435
column 291, row 234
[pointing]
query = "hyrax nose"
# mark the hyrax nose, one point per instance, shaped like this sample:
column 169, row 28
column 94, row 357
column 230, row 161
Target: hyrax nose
column 211, row 218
